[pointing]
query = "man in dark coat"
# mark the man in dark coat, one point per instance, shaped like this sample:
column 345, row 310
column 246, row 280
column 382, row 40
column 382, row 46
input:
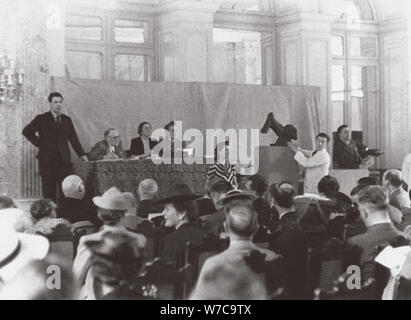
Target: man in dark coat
column 374, row 206
column 51, row 133
column 345, row 153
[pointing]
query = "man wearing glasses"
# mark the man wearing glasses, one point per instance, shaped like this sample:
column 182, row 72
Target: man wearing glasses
column 108, row 149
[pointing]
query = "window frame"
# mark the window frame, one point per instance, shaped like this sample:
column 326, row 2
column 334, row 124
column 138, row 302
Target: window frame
column 348, row 62
column 109, row 47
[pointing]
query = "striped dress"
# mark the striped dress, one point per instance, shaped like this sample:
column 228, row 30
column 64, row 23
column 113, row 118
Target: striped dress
column 226, row 172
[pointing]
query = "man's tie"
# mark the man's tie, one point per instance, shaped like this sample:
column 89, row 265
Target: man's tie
column 58, row 119
column 314, row 153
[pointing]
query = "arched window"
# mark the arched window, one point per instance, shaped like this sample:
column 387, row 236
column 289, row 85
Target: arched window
column 355, row 64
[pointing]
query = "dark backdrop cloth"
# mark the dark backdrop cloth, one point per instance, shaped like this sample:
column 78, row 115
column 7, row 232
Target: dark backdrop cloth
column 96, row 105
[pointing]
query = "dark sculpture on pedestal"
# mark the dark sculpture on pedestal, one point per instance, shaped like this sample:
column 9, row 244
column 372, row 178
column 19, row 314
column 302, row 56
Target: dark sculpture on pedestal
column 285, row 133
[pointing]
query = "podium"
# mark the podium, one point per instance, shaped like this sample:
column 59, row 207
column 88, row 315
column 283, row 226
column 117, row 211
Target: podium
column 277, row 164
column 348, row 178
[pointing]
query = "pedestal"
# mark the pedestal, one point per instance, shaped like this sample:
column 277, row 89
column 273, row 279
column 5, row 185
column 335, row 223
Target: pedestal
column 277, row 164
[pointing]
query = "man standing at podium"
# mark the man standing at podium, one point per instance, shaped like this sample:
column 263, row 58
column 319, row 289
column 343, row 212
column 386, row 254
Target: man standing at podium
column 316, row 163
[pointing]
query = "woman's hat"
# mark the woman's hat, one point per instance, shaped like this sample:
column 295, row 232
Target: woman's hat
column 18, row 249
column 179, row 192
column 234, row 195
column 112, row 199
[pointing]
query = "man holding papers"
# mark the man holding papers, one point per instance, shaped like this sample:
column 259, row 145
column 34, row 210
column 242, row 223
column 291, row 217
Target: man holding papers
column 316, row 163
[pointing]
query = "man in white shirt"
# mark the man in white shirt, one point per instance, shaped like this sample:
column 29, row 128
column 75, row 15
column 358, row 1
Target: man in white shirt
column 316, row 163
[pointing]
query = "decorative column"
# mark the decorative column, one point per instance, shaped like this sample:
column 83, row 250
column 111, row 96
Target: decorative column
column 10, row 112
column 33, row 52
column 184, row 35
column 395, row 75
column 303, row 42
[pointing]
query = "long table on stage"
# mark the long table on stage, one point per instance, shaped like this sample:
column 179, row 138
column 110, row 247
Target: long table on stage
column 127, row 174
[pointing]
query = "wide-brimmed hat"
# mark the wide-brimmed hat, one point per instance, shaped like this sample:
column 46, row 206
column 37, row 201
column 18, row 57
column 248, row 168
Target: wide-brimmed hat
column 234, row 195
column 17, row 249
column 112, row 199
column 179, row 192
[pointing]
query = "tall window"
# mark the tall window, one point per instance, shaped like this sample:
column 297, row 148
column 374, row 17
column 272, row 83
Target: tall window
column 237, row 56
column 354, row 69
column 108, row 45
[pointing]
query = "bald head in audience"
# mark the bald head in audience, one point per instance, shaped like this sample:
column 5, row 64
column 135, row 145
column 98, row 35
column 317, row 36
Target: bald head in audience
column 241, row 219
column 73, row 187
column 147, row 189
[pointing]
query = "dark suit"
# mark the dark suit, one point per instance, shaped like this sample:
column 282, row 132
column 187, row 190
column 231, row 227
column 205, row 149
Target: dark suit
column 137, row 146
column 75, row 210
column 264, row 212
column 378, row 235
column 293, row 245
column 289, row 219
column 148, row 206
column 52, row 139
column 101, row 149
column 205, row 207
column 213, row 223
column 176, row 241
column 345, row 155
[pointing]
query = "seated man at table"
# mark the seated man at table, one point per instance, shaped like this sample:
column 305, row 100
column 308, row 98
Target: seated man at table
column 108, row 149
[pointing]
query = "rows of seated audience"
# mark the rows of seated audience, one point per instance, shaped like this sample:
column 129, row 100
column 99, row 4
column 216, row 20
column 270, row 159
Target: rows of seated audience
column 255, row 242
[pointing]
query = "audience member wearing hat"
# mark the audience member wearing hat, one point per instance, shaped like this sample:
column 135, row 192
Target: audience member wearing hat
column 75, row 207
column 116, row 262
column 44, row 215
column 242, row 225
column 17, row 249
column 311, row 231
column 111, row 210
column 39, row 275
column 179, row 213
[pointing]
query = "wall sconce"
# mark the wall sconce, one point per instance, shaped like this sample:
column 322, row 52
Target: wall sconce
column 11, row 81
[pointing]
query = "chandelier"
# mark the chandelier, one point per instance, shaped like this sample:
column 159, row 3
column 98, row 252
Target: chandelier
column 11, row 81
